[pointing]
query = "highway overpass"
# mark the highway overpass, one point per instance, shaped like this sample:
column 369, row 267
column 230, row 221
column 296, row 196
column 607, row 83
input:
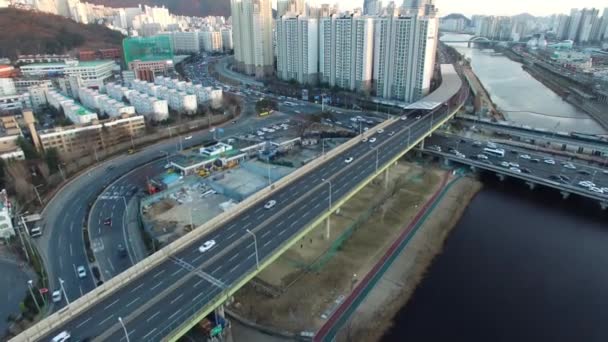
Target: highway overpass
column 166, row 294
column 535, row 171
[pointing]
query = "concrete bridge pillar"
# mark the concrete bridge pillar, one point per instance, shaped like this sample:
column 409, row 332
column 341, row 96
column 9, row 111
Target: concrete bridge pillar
column 604, row 205
column 473, row 168
column 501, row 177
column 327, row 227
column 422, row 144
column 565, row 194
column 531, row 185
column 446, row 162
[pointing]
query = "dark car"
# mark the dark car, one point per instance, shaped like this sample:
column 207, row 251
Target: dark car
column 584, row 172
column 122, row 251
column 107, row 221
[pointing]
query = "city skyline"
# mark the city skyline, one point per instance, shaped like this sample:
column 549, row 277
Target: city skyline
column 513, row 7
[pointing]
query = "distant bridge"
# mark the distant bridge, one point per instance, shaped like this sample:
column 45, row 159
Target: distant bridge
column 479, row 39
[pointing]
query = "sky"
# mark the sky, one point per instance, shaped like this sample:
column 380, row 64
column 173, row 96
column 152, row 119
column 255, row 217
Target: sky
column 495, row 7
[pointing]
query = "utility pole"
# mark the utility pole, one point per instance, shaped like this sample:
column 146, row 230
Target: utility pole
column 255, row 243
column 65, row 295
column 124, row 328
column 38, row 194
column 29, row 285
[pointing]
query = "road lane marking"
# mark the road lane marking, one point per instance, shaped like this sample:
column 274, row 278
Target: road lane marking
column 260, row 217
column 71, row 251
column 250, row 256
column 197, row 258
column 316, row 205
column 158, row 273
column 152, row 317
column 175, row 313
column 60, row 263
column 217, row 269
column 232, row 269
column 266, row 244
column 200, row 294
column 282, row 231
column 81, row 292
column 233, row 257
column 129, row 333
column 109, row 305
column 150, row 333
column 268, row 232
column 197, row 283
column 177, row 298
column 157, row 285
column 105, row 320
column 83, row 322
column 133, row 301
column 137, row 288
column 72, row 227
column 291, row 215
column 231, row 235
column 111, row 264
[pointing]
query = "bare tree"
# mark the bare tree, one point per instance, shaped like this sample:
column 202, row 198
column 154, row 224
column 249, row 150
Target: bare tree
column 19, row 177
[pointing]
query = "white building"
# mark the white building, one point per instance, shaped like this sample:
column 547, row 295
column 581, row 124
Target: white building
column 149, row 106
column 404, row 56
column 6, row 221
column 346, row 51
column 204, row 95
column 7, row 87
column 227, row 39
column 252, row 36
column 186, row 42
column 38, row 95
column 71, row 109
column 106, row 105
column 15, row 102
column 91, row 73
column 297, row 49
column 211, row 41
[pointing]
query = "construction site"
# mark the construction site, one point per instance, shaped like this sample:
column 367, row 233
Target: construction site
column 205, row 181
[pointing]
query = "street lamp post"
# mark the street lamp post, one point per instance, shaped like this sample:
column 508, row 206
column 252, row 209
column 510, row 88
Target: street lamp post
column 255, row 244
column 124, row 328
column 377, row 159
column 65, row 295
column 328, row 182
column 29, row 285
column 38, row 194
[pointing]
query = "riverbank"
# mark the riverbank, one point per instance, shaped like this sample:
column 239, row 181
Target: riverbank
column 561, row 87
column 376, row 313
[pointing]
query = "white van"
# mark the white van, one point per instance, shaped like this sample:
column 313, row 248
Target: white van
column 36, row 232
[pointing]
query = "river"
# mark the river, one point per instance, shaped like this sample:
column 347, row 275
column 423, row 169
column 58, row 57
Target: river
column 519, row 266
column 522, row 98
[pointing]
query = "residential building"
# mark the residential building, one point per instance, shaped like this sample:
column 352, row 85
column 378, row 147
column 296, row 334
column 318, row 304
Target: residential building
column 404, row 56
column 76, row 141
column 346, row 44
column 293, row 7
column 372, row 7
column 15, row 103
column 227, row 44
column 563, row 21
column 7, row 87
column 38, row 95
column 9, row 134
column 186, row 42
column 204, row 95
column 211, row 41
column 603, row 26
column 91, row 73
column 252, row 37
column 297, row 49
column 72, row 110
column 6, row 217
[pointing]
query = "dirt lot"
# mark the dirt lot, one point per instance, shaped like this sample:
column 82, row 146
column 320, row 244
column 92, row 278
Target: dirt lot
column 316, row 271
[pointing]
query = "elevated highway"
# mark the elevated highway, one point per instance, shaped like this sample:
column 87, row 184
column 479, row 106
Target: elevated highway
column 166, row 294
column 534, row 168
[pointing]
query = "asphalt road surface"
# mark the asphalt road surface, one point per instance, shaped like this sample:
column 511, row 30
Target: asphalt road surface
column 165, row 296
column 534, row 165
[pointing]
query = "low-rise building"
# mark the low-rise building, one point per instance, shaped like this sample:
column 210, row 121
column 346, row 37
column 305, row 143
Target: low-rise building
column 9, row 134
column 75, row 141
column 72, row 110
column 15, row 103
column 6, row 220
column 151, row 107
column 7, row 87
column 91, row 73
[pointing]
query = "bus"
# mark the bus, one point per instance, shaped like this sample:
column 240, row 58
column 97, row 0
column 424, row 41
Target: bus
column 499, row 152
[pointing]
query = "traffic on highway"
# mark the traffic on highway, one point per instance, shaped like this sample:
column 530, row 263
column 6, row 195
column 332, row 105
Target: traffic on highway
column 578, row 174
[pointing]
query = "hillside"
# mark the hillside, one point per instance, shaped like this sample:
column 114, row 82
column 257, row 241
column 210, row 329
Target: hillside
column 28, row 32
column 199, row 8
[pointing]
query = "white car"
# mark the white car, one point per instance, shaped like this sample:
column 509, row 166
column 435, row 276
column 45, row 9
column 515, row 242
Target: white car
column 188, row 137
column 62, row 337
column 504, row 164
column 403, row 118
column 512, row 164
column 206, row 246
column 549, row 161
column 56, row 296
column 596, row 189
column 482, row 157
column 270, row 204
column 380, row 131
column 212, row 130
column 348, row 160
column 514, row 169
column 372, row 140
column 418, row 117
column 570, row 166
column 82, row 273
column 364, row 140
column 525, row 156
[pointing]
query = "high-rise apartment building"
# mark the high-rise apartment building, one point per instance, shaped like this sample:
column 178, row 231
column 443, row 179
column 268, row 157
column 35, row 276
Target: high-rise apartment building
column 603, row 26
column 404, row 55
column 346, row 51
column 298, row 49
column 294, row 7
column 252, row 36
column 372, row 7
column 561, row 31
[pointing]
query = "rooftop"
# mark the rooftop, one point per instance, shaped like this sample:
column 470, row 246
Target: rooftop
column 85, row 64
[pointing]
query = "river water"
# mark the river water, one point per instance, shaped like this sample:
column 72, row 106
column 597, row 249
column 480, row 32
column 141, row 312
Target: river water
column 521, row 97
column 520, row 265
